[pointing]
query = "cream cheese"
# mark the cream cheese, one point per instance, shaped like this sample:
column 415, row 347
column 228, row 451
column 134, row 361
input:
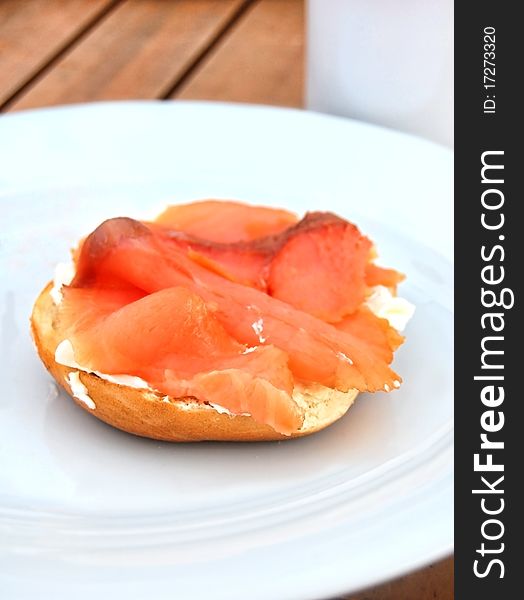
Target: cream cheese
column 223, row 411
column 258, row 328
column 65, row 355
column 398, row 311
column 79, row 390
column 64, row 274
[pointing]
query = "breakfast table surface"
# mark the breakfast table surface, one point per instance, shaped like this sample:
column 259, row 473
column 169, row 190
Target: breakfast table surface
column 55, row 52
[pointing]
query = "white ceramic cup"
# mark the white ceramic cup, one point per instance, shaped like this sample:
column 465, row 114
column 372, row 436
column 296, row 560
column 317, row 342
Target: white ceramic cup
column 388, row 62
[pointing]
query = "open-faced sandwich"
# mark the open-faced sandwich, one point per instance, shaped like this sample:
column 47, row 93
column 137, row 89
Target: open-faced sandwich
column 221, row 321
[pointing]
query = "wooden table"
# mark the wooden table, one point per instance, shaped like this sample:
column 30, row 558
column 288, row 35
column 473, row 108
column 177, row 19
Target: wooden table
column 65, row 51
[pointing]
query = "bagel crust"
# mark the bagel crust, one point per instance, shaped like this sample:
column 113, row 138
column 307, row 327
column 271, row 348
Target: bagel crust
column 148, row 413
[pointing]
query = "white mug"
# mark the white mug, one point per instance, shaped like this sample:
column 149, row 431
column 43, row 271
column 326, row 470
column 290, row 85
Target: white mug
column 388, row 62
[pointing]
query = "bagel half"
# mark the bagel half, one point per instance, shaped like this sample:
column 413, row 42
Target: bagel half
column 151, row 414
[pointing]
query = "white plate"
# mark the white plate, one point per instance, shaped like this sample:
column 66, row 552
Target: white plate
column 87, row 508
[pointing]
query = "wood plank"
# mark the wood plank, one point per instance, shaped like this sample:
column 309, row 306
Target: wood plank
column 33, row 32
column 260, row 60
column 432, row 583
column 137, row 52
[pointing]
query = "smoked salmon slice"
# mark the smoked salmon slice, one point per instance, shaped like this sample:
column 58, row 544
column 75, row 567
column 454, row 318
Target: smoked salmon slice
column 377, row 333
column 320, row 269
column 318, row 352
column 173, row 340
column 376, row 275
column 226, row 221
column 321, row 252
